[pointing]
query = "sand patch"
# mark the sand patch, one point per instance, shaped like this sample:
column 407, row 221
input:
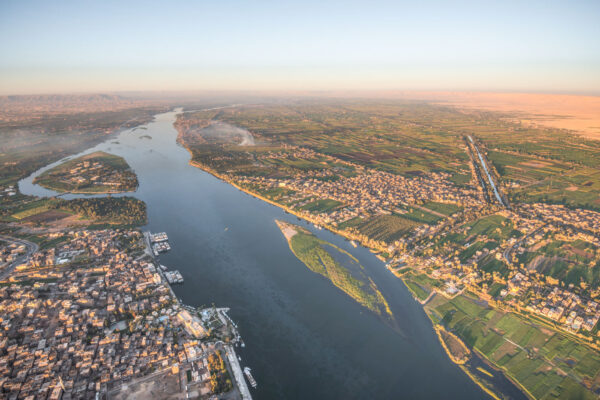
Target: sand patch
column 287, row 230
column 577, row 113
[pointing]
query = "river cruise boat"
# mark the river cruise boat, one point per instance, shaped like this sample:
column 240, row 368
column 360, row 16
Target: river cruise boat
column 250, row 377
column 174, row 277
column 158, row 237
column 160, row 247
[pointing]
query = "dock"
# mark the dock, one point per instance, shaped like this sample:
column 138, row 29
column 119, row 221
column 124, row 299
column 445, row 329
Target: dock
column 237, row 373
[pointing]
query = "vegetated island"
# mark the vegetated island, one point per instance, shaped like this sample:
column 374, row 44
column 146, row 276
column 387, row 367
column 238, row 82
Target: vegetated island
column 97, row 172
column 322, row 258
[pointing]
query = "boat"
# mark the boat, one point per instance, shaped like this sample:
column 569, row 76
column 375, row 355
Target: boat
column 174, row 276
column 250, row 377
column 158, row 237
column 353, row 243
column 161, row 247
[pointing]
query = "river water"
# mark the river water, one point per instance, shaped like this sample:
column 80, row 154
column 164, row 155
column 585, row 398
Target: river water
column 305, row 339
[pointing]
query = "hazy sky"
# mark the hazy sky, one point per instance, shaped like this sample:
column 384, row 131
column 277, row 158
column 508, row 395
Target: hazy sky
column 524, row 45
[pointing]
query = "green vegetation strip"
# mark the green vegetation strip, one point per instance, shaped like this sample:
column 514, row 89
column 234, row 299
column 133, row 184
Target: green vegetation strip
column 316, row 255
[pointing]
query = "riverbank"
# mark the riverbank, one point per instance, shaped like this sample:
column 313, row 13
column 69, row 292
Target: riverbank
column 345, row 234
column 232, row 357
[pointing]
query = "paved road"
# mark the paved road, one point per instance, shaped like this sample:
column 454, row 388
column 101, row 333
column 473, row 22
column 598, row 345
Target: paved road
column 31, row 248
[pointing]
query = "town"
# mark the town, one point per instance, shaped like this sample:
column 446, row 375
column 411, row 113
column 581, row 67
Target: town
column 87, row 318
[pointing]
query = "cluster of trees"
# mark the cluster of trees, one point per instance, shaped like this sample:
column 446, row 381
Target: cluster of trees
column 219, row 378
column 125, row 210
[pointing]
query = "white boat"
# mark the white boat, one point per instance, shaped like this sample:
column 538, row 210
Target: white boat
column 250, row 377
column 158, row 237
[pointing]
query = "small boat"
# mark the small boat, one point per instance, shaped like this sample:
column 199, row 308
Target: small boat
column 250, row 377
column 353, row 243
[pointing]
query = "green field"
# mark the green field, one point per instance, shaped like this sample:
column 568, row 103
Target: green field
column 571, row 262
column 322, row 206
column 442, row 208
column 386, row 228
column 539, row 364
column 421, row 216
column 576, row 188
column 494, row 227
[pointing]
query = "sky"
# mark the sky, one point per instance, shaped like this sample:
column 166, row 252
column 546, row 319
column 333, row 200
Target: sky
column 84, row 46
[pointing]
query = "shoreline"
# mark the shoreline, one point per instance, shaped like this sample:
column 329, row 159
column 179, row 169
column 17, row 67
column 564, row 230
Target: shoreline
column 238, row 376
column 344, row 234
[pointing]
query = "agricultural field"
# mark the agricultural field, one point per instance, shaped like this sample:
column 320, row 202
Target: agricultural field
column 570, row 262
column 576, row 188
column 494, row 227
column 386, row 228
column 443, row 208
column 475, row 247
column 422, row 216
column 554, row 167
column 524, row 169
column 322, row 206
column 546, row 363
column 389, row 136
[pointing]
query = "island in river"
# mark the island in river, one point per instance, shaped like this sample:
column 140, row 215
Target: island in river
column 98, row 172
column 337, row 265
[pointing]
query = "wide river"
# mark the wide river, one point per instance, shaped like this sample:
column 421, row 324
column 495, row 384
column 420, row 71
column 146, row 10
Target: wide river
column 305, row 339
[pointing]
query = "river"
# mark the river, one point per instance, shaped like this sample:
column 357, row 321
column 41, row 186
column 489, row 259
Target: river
column 305, row 339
